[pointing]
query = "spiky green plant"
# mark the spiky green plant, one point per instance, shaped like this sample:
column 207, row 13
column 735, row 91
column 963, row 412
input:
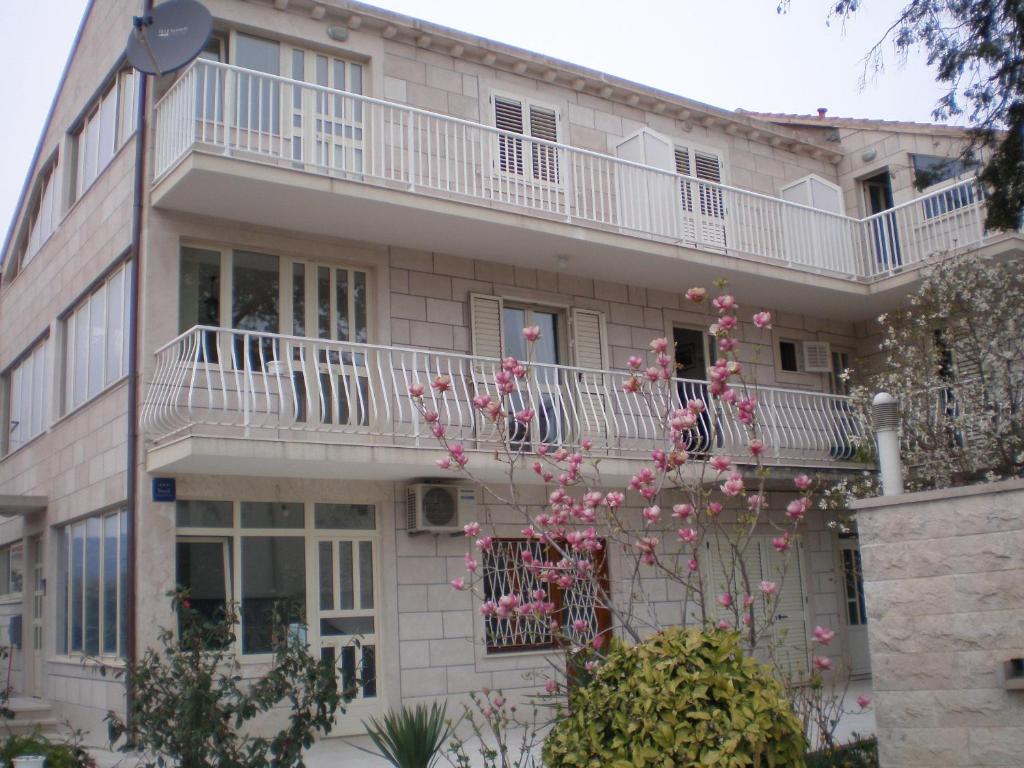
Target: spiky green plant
column 410, row 738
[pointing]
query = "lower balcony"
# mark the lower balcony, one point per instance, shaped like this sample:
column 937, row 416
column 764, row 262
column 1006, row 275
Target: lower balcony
column 246, row 403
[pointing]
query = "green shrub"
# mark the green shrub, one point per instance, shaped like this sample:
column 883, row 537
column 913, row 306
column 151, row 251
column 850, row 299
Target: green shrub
column 682, row 698
column 860, row 754
column 58, row 754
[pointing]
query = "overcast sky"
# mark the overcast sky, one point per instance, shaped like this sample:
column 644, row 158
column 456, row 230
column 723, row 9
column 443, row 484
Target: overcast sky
column 730, row 53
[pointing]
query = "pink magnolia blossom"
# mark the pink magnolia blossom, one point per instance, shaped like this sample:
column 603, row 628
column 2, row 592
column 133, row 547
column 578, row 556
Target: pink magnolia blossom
column 586, row 443
column 635, row 362
column 631, row 385
column 416, row 389
column 756, row 447
column 863, row 701
column 659, row 346
column 693, row 565
column 689, row 535
column 795, row 510
column 733, row 486
column 481, row 401
column 442, row 383
column 725, row 600
column 488, row 609
column 531, row 332
column 720, row 463
column 696, row 295
column 646, row 546
column 755, row 501
column 458, row 584
column 682, row 511
column 580, row 625
column 614, row 499
column 551, row 686
column 803, row 482
column 727, row 344
column 747, row 621
column 769, row 587
column 525, row 416
column 597, row 642
column 725, row 303
column 444, row 463
column 430, row 417
column 437, row 430
column 781, row 543
column 714, row 508
column 697, row 406
column 471, row 563
column 763, row 319
column 484, row 543
column 724, row 625
column 823, row 635
column 471, row 529
column 822, row 663
column 748, row 600
column 652, row 513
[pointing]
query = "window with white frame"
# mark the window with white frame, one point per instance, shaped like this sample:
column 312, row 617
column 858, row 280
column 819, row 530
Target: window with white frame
column 704, row 166
column 27, row 385
column 96, row 339
column 107, row 124
column 12, row 569
column 92, row 575
column 537, row 161
column 45, row 213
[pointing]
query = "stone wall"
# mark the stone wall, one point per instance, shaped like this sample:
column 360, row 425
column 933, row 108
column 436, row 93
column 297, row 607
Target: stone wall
column 944, row 579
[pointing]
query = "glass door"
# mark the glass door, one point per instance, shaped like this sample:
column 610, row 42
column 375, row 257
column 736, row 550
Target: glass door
column 550, row 423
column 38, row 582
column 692, row 372
column 327, row 128
column 346, row 614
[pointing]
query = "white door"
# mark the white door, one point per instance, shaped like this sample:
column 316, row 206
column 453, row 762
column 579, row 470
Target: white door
column 38, row 585
column 856, row 615
column 346, row 620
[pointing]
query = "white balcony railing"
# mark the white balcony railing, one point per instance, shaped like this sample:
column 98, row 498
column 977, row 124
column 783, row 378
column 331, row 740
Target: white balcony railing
column 217, row 382
column 220, row 108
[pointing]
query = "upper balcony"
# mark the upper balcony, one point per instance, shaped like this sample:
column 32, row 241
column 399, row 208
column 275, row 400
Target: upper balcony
column 330, row 162
column 238, row 402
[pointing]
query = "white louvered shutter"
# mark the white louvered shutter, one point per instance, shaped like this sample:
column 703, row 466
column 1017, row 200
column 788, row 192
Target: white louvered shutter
column 508, row 116
column 790, row 626
column 544, row 125
column 588, row 339
column 683, row 166
column 708, row 167
column 589, row 350
column 817, row 356
column 485, row 315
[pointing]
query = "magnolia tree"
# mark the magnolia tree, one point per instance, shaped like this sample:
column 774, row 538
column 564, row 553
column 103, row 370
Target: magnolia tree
column 689, row 518
column 954, row 359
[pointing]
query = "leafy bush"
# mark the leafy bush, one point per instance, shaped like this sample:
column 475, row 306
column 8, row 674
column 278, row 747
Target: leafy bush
column 410, row 738
column 683, row 697
column 860, row 754
column 191, row 704
column 58, row 754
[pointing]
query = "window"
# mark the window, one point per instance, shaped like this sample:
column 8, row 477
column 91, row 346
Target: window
column 704, row 166
column 507, row 572
column 789, row 355
column 514, row 115
column 327, row 301
column 28, row 386
column 92, row 597
column 552, row 421
column 107, row 125
column 274, row 545
column 45, row 213
column 853, row 579
column 930, row 170
column 96, row 340
column 12, row 569
column 838, row 382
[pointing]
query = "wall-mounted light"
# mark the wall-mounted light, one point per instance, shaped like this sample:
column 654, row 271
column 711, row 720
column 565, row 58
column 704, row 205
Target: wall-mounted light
column 562, row 261
column 338, row 33
column 869, row 154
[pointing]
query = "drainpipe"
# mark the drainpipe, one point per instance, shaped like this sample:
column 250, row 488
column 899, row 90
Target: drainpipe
column 132, row 485
column 885, row 417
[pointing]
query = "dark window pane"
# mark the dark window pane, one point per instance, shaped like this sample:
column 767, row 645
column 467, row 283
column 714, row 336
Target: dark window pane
column 298, row 299
column 348, row 625
column 199, row 288
column 348, row 667
column 273, row 589
column 368, row 673
column 359, row 300
column 203, row 514
column 341, row 278
column 123, row 580
column 63, row 553
column 323, row 307
column 77, row 584
column 272, row 514
column 110, row 573
column 346, row 516
column 91, row 644
column 326, row 557
column 255, row 288
column 787, row 355
column 203, row 568
column 345, row 576
column 365, row 574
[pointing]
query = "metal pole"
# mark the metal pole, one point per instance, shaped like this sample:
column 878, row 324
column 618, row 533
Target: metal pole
column 885, row 416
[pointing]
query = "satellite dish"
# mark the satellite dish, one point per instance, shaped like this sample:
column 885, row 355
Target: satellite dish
column 169, row 37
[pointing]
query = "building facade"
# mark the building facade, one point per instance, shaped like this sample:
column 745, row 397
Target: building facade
column 233, row 287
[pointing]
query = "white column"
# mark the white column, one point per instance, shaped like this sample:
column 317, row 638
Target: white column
column 885, row 416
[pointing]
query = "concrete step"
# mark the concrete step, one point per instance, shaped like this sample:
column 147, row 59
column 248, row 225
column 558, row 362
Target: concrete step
column 46, row 726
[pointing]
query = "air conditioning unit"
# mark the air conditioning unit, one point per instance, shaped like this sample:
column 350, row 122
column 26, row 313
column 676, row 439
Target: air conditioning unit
column 440, row 508
column 817, row 357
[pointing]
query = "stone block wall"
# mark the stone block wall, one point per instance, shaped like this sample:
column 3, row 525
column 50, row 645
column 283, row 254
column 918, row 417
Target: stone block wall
column 944, row 579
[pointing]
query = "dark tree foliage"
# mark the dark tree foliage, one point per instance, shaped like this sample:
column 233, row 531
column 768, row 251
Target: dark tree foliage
column 192, row 705
column 976, row 48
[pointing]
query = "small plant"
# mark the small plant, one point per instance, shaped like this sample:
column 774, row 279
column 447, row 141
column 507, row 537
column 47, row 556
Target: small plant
column 683, row 697
column 858, row 754
column 505, row 738
column 58, row 754
column 410, row 738
column 191, row 704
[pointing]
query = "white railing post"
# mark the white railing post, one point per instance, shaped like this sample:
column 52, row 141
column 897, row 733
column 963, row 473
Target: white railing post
column 885, row 417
